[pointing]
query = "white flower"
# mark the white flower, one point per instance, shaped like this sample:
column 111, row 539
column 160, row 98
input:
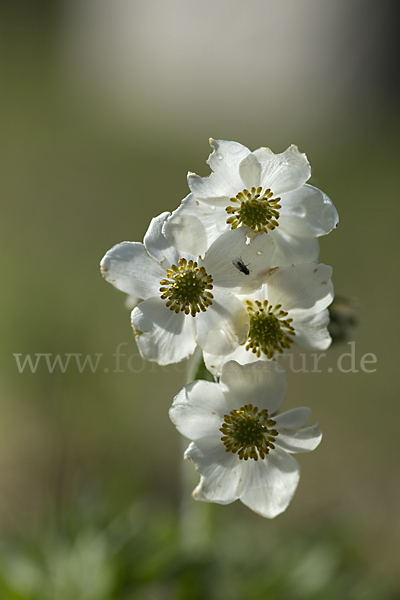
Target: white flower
column 262, row 190
column 240, row 448
column 179, row 310
column 290, row 307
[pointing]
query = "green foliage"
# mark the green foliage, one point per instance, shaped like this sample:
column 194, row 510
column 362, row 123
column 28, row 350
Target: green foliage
column 90, row 555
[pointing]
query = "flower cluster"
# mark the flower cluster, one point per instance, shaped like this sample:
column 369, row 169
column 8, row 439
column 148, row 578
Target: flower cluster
column 234, row 271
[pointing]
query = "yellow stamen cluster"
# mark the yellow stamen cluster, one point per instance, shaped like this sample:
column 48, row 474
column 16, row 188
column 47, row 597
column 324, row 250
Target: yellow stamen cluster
column 187, row 288
column 269, row 330
column 247, row 432
column 257, row 210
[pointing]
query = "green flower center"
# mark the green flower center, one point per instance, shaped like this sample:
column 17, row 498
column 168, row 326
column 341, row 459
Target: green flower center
column 247, row 432
column 257, row 210
column 269, row 330
column 186, row 288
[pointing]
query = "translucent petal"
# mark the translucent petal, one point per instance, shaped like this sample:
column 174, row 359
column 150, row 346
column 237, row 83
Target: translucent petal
column 166, row 337
column 215, row 362
column 283, row 172
column 225, row 181
column 221, row 471
column 223, row 326
column 307, row 212
column 301, row 440
column 234, row 246
column 154, row 241
column 294, row 418
column 306, row 287
column 226, row 156
column 271, row 483
column 159, row 247
column 198, row 410
column 129, row 268
column 311, row 330
column 195, row 225
column 291, row 249
column 250, row 171
column 262, row 384
column 214, row 189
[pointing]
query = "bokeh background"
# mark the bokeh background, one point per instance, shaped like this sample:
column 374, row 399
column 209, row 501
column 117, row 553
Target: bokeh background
column 105, row 106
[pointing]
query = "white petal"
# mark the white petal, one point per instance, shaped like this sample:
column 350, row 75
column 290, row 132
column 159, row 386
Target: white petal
column 271, row 483
column 302, row 440
column 214, row 189
column 255, row 252
column 250, row 171
column 166, row 337
column 292, row 250
column 295, row 435
column 129, row 268
column 306, row 286
column 283, row 172
column 221, row 471
column 225, row 181
column 223, row 326
column 159, row 247
column 154, row 241
column 311, row 331
column 260, row 383
column 311, row 212
column 215, row 362
column 294, row 418
column 199, row 409
column 226, row 156
column 195, row 225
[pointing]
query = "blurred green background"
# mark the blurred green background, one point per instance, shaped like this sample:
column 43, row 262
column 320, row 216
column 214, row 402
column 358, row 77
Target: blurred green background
column 105, row 106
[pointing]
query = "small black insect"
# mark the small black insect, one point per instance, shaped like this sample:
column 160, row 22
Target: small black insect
column 239, row 264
